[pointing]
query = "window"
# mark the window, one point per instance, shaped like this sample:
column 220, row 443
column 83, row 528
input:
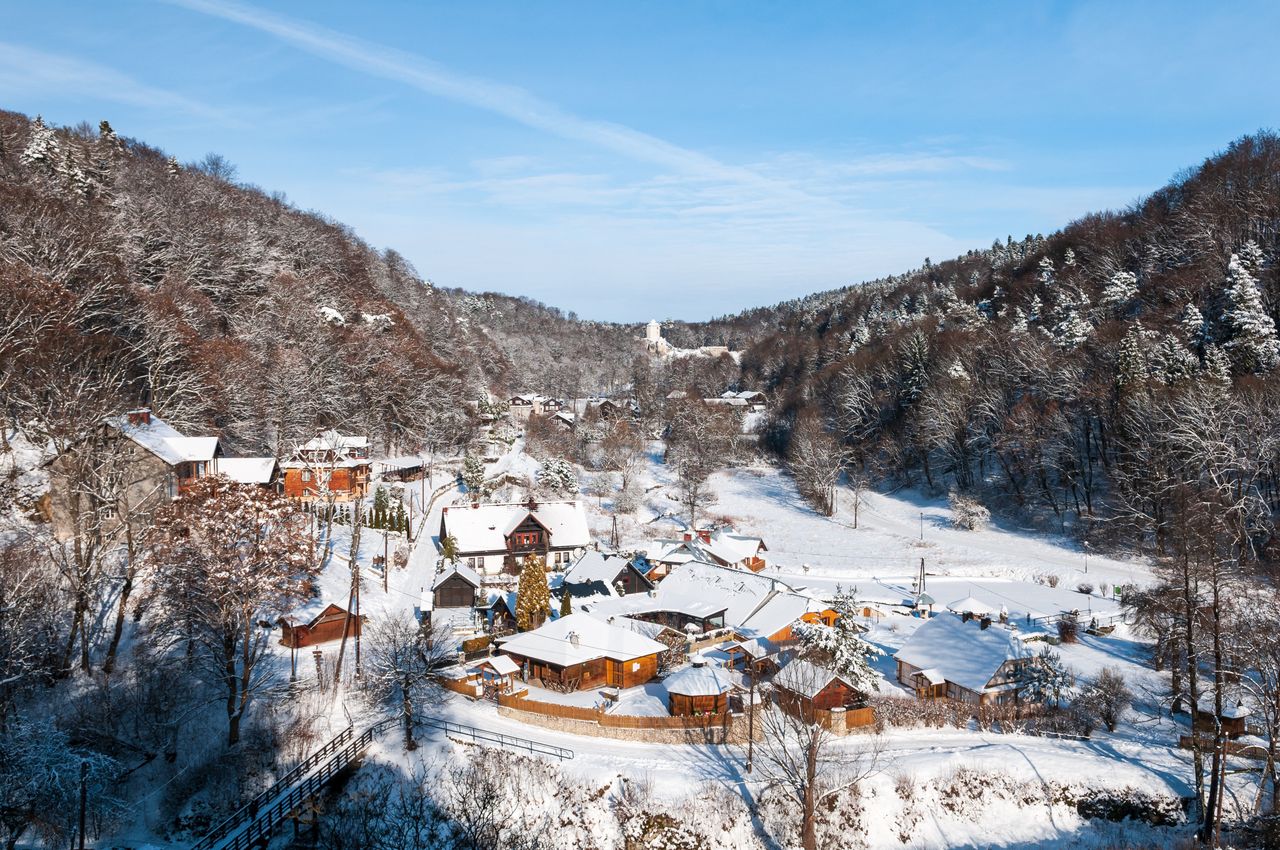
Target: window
column 306, row 475
column 471, row 562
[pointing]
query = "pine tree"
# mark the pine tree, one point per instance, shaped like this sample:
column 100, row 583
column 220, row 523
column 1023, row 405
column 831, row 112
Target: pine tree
column 1192, row 322
column 473, row 475
column 840, row 647
column 566, row 602
column 914, row 358
column 1119, row 293
column 172, row 167
column 1131, row 359
column 533, row 596
column 1045, row 680
column 1173, row 363
column 1252, row 344
column 1072, row 331
column 42, row 151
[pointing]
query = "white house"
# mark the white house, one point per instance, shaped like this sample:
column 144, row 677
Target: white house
column 949, row 656
column 492, row 539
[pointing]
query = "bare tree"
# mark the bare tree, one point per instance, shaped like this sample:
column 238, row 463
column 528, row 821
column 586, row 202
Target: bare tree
column 223, row 559
column 802, row 758
column 817, row 459
column 403, row 661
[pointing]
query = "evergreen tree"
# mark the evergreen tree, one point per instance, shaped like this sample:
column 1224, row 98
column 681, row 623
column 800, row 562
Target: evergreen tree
column 449, row 549
column 533, row 596
column 914, row 367
column 473, row 475
column 1119, row 293
column 1045, row 680
column 173, row 168
column 1173, row 363
column 1252, row 344
column 42, row 151
column 1131, row 359
column 840, row 647
column 566, row 602
column 1192, row 322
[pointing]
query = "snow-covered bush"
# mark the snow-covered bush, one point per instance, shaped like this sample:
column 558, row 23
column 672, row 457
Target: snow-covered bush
column 1068, row 629
column 1085, row 587
column 968, row 513
column 557, row 476
column 1107, row 698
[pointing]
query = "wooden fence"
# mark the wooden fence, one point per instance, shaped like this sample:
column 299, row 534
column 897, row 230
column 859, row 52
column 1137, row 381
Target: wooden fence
column 617, row 721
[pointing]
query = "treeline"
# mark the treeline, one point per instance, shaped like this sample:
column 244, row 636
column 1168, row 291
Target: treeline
column 1062, row 375
column 132, row 279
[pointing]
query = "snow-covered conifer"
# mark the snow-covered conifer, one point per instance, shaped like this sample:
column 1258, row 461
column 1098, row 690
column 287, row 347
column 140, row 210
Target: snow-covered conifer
column 557, row 476
column 1252, row 344
column 1119, row 293
column 1045, row 680
column 533, row 596
column 1172, row 362
column 841, row 647
column 42, row 150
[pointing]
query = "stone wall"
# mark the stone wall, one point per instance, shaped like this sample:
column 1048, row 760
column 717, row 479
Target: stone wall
column 731, row 730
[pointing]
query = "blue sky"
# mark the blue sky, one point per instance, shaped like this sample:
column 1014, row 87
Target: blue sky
column 682, row 159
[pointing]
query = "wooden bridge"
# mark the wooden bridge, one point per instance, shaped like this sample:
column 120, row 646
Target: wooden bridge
column 252, row 825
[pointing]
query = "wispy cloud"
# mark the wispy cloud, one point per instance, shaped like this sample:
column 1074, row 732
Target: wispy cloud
column 24, row 69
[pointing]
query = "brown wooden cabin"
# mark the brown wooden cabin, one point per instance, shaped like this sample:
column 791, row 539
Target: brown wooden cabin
column 345, row 482
column 597, row 673
column 326, row 626
column 699, row 689
column 457, row 588
column 578, row 651
column 684, row 704
column 801, row 687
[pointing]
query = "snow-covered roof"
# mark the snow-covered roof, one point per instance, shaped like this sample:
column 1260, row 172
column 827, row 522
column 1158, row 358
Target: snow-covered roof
column 699, row 680
column 471, row 576
column 164, row 441
column 577, row 639
column 969, row 605
column 247, row 470
column 778, row 611
column 699, row 589
column 501, row 664
column 963, row 653
column 806, row 678
column 334, row 441
column 484, row 528
column 596, row 566
column 733, row 548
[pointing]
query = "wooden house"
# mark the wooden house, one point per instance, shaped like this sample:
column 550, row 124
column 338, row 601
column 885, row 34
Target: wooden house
column 329, row 465
column 803, row 688
column 958, row 658
column 155, row 461
column 521, row 407
column 326, row 626
column 455, row 587
column 494, row 539
column 580, row 651
column 615, row 571
column 700, row 688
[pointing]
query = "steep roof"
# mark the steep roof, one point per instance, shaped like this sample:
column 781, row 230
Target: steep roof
column 484, row 528
column 164, row 441
column 247, row 470
column 806, row 678
column 963, row 653
column 969, row 605
column 733, row 548
column 699, row 589
column 469, row 575
column 577, row 639
column 704, row 680
column 599, row 566
column 778, row 611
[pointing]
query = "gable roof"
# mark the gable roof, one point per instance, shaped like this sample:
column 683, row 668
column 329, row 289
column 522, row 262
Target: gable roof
column 779, row 610
column 577, row 639
column 468, row 575
column 484, row 528
column 334, row 441
column 248, row 470
column 806, row 678
column 164, row 441
column 501, row 664
column 960, row 652
column 698, row 589
column 602, row 567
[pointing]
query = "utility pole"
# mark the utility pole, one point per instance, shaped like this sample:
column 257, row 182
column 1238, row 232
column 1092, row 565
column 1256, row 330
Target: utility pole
column 922, row 526
column 751, row 715
column 84, row 797
column 386, row 562
column 358, row 629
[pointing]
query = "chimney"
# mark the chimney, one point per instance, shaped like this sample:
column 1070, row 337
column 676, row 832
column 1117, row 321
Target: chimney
column 574, row 639
column 688, row 536
column 140, row 417
column 704, row 535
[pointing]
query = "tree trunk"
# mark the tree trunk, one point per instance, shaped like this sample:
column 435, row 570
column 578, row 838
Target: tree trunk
column 409, row 744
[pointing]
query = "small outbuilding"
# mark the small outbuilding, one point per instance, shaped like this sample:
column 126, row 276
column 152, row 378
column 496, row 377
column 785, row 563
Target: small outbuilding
column 699, row 689
column 802, row 686
column 326, row 626
column 455, row 587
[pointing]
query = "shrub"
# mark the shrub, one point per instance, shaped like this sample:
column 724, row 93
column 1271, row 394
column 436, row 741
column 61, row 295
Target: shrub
column 1051, row 579
column 1084, row 587
column 1107, row 698
column 968, row 513
column 1068, row 630
column 476, row 644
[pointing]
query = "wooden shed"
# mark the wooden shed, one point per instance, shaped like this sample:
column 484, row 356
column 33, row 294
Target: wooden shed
column 455, row 587
column 802, row 686
column 701, row 688
column 326, row 626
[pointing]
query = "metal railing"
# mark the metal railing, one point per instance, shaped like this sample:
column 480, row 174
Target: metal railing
column 477, row 735
column 249, row 809
column 253, row 823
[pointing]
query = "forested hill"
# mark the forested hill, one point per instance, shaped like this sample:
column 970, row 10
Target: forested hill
column 1062, row 373
column 129, row 278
